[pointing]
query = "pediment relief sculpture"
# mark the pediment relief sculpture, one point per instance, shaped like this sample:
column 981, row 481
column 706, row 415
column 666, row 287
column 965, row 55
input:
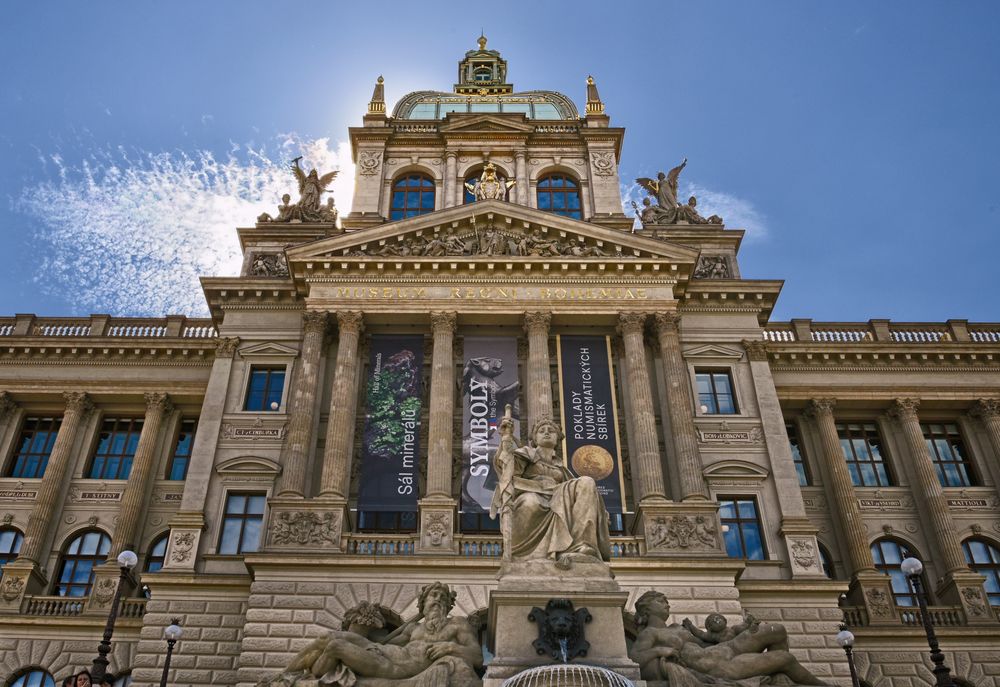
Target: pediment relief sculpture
column 486, row 241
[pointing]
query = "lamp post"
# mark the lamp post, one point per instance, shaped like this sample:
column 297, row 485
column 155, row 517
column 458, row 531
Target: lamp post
column 845, row 638
column 912, row 568
column 126, row 561
column 172, row 633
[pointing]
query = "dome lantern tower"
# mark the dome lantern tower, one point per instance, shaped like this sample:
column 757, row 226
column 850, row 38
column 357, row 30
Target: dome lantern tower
column 483, row 72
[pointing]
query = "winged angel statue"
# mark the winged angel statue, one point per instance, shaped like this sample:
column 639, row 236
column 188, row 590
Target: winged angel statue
column 667, row 209
column 310, row 207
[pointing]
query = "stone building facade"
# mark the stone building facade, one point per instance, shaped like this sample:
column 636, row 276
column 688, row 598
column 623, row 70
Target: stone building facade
column 227, row 451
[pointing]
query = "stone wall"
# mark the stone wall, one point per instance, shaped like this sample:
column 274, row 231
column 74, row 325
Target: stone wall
column 61, row 657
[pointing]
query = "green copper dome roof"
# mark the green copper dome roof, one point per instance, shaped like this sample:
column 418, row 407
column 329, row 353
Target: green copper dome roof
column 437, row 104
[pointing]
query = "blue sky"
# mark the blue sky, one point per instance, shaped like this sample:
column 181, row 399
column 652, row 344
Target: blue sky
column 857, row 141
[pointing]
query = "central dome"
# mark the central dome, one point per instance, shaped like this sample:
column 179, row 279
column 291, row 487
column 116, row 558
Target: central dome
column 533, row 104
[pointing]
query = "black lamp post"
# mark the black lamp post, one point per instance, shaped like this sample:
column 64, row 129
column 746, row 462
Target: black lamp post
column 172, row 633
column 845, row 638
column 126, row 561
column 912, row 568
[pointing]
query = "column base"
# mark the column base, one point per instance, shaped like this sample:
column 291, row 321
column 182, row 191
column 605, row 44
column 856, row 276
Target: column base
column 20, row 577
column 872, row 589
column 687, row 528
column 296, row 524
column 802, row 547
column 437, row 526
column 965, row 588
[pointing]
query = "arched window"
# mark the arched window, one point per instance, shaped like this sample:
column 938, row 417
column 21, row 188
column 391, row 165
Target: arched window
column 984, row 558
column 412, row 195
column 560, row 194
column 76, row 570
column 826, row 562
column 10, row 544
column 157, row 554
column 32, row 677
column 888, row 554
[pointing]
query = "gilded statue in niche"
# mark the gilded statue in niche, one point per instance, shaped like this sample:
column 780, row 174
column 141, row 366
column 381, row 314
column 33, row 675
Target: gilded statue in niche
column 490, row 186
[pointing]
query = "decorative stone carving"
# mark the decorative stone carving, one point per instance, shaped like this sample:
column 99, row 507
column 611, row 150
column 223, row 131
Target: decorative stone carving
column 104, row 590
column 560, row 630
column 305, row 527
column 226, row 346
column 369, row 162
column 664, row 187
column 438, row 529
column 668, row 209
column 351, row 320
column 632, row 322
column 603, row 162
column 486, row 240
column 537, row 320
column 158, row 402
column 694, row 532
column 821, row 407
column 803, row 553
column 444, row 320
column 7, row 405
column 183, row 545
column 269, row 265
column 878, row 602
column 11, row 588
column 973, row 598
column 712, row 267
column 315, row 321
column 79, row 401
column 756, row 349
column 675, row 654
column 431, row 649
column 489, row 186
column 312, row 186
column 904, row 409
column 986, row 408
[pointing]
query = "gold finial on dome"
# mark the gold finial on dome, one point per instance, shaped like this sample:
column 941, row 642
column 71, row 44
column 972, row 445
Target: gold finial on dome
column 590, row 80
column 380, row 79
column 482, row 41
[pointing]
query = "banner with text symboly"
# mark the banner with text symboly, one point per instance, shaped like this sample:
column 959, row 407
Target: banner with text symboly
column 589, row 415
column 489, row 382
column 390, row 447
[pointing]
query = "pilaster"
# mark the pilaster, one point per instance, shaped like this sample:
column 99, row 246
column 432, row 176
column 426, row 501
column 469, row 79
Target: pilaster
column 343, row 404
column 539, row 392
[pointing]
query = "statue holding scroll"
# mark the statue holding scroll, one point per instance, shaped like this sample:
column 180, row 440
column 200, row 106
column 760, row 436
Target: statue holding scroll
column 545, row 512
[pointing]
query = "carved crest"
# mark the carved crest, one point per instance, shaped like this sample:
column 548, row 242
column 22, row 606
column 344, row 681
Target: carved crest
column 11, row 587
column 305, row 527
column 682, row 532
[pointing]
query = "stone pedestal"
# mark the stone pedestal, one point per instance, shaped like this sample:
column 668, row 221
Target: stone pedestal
column 524, row 585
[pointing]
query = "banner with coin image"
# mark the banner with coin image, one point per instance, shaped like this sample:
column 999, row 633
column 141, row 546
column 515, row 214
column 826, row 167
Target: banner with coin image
column 390, row 447
column 489, row 382
column 589, row 418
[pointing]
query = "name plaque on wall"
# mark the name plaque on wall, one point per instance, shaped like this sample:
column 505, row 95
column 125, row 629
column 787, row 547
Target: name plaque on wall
column 253, row 432
column 17, row 494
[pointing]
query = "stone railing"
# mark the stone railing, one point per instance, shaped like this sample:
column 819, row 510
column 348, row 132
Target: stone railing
column 882, row 331
column 415, row 128
column 469, row 545
column 941, row 616
column 556, row 129
column 132, row 608
column 172, row 326
column 59, row 606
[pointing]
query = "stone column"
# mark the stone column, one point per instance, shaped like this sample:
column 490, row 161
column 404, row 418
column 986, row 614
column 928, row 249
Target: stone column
column 927, row 488
column 302, row 408
column 988, row 412
column 680, row 405
column 450, row 178
column 343, row 406
column 136, row 493
column 8, row 414
column 47, row 509
column 647, row 455
column 442, row 406
column 539, row 392
column 521, row 176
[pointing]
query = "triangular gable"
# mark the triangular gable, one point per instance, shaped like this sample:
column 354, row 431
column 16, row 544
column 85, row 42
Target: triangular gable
column 714, row 352
column 267, row 349
column 512, row 222
column 487, row 122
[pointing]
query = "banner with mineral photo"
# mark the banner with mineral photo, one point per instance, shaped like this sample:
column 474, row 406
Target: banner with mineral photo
column 489, row 382
column 390, row 445
column 589, row 418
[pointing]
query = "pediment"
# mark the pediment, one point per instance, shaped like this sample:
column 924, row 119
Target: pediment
column 268, row 349
column 248, row 465
column 487, row 122
column 736, row 469
column 714, row 352
column 495, row 230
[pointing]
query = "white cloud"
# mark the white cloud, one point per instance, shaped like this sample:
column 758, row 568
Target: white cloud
column 737, row 213
column 131, row 232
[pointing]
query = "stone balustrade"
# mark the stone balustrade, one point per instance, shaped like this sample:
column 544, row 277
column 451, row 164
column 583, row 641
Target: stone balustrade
column 173, row 326
column 882, row 331
column 469, row 545
column 941, row 616
column 69, row 606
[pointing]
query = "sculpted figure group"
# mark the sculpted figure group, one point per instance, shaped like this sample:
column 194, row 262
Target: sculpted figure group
column 668, row 209
column 489, row 241
column 310, row 207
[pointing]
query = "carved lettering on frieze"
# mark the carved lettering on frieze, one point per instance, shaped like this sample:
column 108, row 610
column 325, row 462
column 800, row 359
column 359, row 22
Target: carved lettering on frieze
column 885, row 504
column 17, row 494
column 687, row 532
column 724, row 435
column 305, row 528
column 254, row 431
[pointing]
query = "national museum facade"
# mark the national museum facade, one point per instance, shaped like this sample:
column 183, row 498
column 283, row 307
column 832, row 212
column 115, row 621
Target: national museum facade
column 326, row 436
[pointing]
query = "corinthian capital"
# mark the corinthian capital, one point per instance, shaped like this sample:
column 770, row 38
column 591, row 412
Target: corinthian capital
column 537, row 321
column 158, row 403
column 904, row 409
column 314, row 322
column 78, row 401
column 445, row 322
column 225, row 346
column 667, row 322
column 351, row 321
column 821, row 407
column 986, row 408
column 756, row 349
column 7, row 405
column 632, row 322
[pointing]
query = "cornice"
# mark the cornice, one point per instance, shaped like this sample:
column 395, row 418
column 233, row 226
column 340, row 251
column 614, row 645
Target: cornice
column 90, row 352
column 881, row 357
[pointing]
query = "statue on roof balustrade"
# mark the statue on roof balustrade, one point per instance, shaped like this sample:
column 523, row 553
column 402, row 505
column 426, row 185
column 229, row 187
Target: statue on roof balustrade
column 667, row 209
column 310, row 208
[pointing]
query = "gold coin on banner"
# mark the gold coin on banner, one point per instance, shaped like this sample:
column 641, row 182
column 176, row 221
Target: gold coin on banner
column 592, row 461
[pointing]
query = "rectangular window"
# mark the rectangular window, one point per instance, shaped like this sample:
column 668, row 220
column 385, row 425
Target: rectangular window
column 863, row 451
column 115, row 449
column 38, row 436
column 387, row 521
column 715, row 392
column 948, row 454
column 741, row 528
column 181, row 457
column 241, row 523
column 796, row 445
column 264, row 388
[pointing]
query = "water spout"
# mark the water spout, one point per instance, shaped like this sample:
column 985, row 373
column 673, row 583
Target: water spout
column 563, row 643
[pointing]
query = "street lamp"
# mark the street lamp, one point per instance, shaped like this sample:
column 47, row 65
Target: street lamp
column 126, row 561
column 845, row 638
column 172, row 633
column 912, row 568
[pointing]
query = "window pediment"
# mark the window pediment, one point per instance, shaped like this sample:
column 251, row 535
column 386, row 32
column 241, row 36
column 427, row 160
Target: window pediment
column 736, row 470
column 268, row 350
column 247, row 466
column 713, row 352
